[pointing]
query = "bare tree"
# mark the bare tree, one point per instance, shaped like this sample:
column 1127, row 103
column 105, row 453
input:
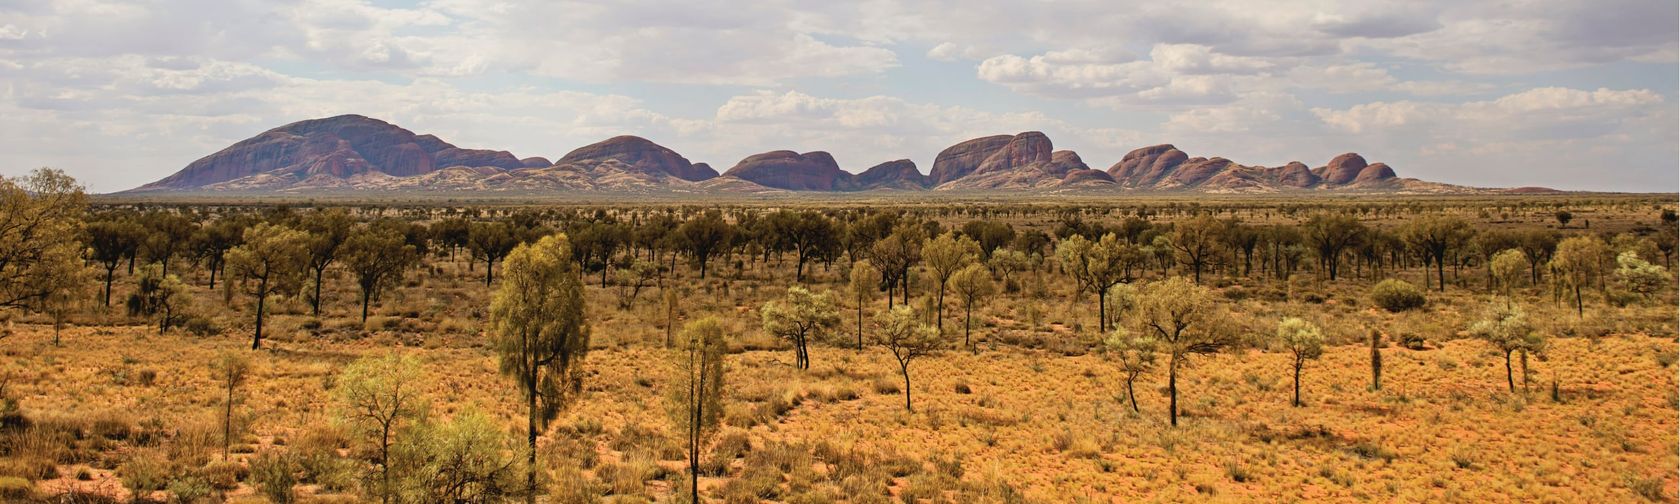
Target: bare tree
column 903, row 333
column 695, row 401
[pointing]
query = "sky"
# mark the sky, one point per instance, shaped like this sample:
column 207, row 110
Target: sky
column 1565, row 94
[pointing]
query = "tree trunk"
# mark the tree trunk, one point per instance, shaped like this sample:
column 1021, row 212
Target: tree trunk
column 1131, row 394
column 1376, row 360
column 262, row 302
column 365, row 297
column 1172, row 391
column 227, row 421
column 315, row 302
column 905, row 368
column 1297, row 401
column 531, row 442
column 968, row 323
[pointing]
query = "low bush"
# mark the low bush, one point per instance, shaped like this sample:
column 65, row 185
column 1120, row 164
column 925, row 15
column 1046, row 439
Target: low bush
column 1397, row 295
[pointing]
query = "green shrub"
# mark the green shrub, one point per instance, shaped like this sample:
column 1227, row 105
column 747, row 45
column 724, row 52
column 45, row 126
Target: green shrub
column 1397, row 295
column 190, row 489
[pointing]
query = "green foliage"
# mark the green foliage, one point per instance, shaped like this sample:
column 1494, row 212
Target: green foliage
column 1640, row 277
column 466, row 459
column 159, row 295
column 377, row 396
column 907, row 337
column 1397, row 295
column 801, row 317
column 695, row 400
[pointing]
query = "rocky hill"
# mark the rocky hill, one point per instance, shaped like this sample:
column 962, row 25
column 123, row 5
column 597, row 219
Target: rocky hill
column 356, row 153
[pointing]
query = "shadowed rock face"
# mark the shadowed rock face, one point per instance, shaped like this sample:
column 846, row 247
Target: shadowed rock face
column 962, row 159
column 1343, row 169
column 1023, row 161
column 783, row 169
column 900, row 174
column 639, row 154
column 535, row 162
column 339, row 146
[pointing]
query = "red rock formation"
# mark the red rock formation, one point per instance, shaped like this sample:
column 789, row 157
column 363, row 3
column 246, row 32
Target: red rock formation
column 535, row 162
column 1295, row 174
column 962, row 159
column 1147, row 166
column 339, row 146
column 1374, row 173
column 1342, row 169
column 900, row 174
column 1087, row 177
column 783, row 169
column 639, row 154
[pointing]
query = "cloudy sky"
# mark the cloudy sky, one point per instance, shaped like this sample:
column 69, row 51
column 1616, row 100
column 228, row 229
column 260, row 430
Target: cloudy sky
column 1569, row 94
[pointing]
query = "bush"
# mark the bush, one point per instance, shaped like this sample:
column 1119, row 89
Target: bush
column 190, row 489
column 144, row 472
column 1397, row 295
column 274, row 475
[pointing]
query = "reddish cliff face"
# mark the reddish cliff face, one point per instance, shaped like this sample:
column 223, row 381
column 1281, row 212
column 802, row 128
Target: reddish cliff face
column 900, row 174
column 339, row 146
column 962, row 159
column 811, row 171
column 639, row 154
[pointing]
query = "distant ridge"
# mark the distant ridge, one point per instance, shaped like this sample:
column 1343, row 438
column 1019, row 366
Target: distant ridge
column 361, row 154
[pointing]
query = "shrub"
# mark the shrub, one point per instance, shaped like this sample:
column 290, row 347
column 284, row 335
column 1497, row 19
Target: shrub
column 274, row 475
column 190, row 489
column 144, row 472
column 1397, row 295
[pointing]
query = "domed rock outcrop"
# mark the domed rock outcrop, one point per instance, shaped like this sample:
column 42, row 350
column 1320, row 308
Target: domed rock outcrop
column 784, row 169
column 899, row 174
column 638, row 154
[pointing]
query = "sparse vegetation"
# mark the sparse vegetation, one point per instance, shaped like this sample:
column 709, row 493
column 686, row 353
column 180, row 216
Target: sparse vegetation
column 406, row 407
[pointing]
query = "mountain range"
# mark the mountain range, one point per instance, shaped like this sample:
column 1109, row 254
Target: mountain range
column 360, row 154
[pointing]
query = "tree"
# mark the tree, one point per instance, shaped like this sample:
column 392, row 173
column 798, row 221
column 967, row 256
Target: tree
column 1176, row 312
column 1506, row 326
column 1006, row 262
column 377, row 395
column 1507, row 267
column 40, row 223
column 165, row 235
column 212, row 241
column 328, row 230
column 1136, row 353
column 1537, row 246
column 704, row 237
column 1097, row 266
column 1195, row 241
column 800, row 317
column 160, row 295
column 991, row 235
column 907, row 337
column 229, row 370
column 973, row 285
column 1329, row 235
column 895, row 255
column 863, row 285
column 491, row 241
column 110, row 241
column 1376, row 359
column 377, row 257
column 1433, row 237
column 1563, row 217
column 541, row 334
column 944, row 255
column 1303, row 341
column 1576, row 262
column 695, row 402
column 1640, row 277
column 812, row 235
column 274, row 257
column 639, row 274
